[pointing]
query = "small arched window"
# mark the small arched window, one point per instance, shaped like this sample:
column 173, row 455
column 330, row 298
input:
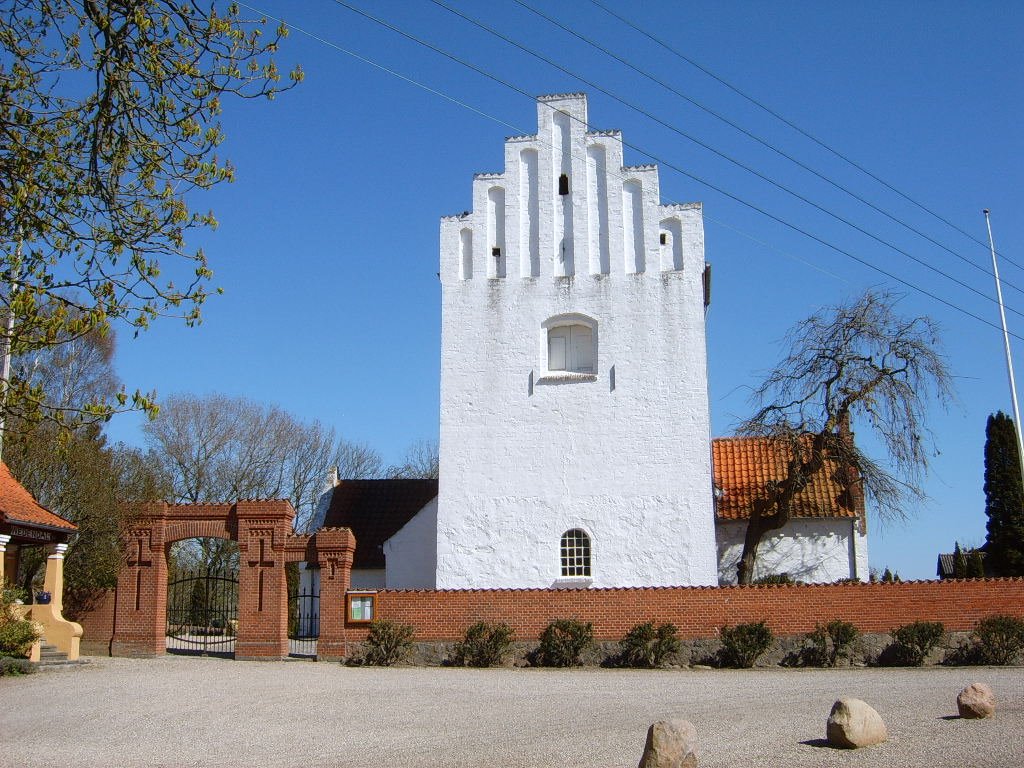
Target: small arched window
column 575, row 552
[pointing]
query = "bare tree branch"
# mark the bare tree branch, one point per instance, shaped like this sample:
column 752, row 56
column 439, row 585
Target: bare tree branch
column 217, row 448
column 421, row 462
column 860, row 363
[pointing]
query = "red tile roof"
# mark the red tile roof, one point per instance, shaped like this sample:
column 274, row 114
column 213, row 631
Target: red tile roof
column 375, row 510
column 18, row 506
column 742, row 466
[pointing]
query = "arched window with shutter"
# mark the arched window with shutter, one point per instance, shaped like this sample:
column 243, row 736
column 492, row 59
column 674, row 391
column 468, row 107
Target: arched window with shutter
column 570, row 346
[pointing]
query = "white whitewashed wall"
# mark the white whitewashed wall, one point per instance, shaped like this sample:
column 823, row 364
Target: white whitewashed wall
column 527, row 453
column 818, row 550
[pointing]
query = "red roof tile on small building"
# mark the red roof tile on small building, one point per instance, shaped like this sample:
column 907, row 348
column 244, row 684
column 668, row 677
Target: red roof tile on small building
column 375, row 510
column 18, row 506
column 743, row 465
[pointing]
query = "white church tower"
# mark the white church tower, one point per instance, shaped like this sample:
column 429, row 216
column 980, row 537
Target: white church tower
column 575, row 435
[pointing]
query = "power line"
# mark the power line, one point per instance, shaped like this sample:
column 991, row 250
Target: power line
column 382, row 68
column 763, row 142
column 770, row 247
column 520, row 130
column 663, row 162
column 794, row 126
column 739, row 164
column 667, row 164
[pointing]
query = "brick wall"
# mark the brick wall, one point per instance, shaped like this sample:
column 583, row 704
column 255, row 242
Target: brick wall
column 439, row 615
column 700, row 611
column 98, row 627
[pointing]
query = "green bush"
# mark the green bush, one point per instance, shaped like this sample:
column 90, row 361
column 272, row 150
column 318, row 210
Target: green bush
column 911, row 643
column 998, row 639
column 388, row 643
column 648, row 646
column 13, row 667
column 483, row 645
column 563, row 642
column 744, row 644
column 16, row 637
column 16, row 633
column 9, row 594
column 830, row 642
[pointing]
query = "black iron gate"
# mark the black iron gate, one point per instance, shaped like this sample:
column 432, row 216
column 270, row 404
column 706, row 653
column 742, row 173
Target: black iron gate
column 303, row 624
column 202, row 612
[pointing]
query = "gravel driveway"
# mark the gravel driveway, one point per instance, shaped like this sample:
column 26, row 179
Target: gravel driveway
column 179, row 711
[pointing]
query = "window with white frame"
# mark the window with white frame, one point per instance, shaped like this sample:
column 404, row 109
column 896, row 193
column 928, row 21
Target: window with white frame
column 571, row 349
column 575, row 553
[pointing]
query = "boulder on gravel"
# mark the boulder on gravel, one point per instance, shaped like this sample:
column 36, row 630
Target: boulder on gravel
column 976, row 700
column 670, row 744
column 853, row 723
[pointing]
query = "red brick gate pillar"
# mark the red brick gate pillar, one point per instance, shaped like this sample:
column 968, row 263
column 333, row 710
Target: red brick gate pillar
column 262, row 586
column 335, row 548
column 140, row 607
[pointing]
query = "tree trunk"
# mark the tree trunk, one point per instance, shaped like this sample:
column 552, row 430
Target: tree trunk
column 779, row 498
column 758, row 526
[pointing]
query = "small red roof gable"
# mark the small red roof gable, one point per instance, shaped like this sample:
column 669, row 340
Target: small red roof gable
column 743, row 465
column 18, row 506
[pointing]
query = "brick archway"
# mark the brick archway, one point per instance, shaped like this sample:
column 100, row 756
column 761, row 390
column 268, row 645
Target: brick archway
column 265, row 542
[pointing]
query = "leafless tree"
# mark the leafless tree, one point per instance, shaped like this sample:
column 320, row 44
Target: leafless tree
column 859, row 362
column 73, row 374
column 217, row 448
column 359, row 461
column 421, row 461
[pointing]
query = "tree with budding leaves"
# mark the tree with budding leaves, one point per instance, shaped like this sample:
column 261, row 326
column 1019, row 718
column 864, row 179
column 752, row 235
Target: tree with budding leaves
column 109, row 124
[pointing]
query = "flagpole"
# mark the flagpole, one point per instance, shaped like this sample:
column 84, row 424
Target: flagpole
column 1006, row 344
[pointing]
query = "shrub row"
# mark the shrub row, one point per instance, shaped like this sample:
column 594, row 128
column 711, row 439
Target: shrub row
column 566, row 642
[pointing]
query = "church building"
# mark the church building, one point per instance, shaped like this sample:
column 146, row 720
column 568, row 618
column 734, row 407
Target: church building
column 575, row 434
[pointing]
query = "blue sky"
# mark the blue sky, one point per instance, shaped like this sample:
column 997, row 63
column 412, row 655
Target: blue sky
column 327, row 245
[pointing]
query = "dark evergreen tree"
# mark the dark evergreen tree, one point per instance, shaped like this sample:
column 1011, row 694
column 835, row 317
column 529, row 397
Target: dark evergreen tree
column 888, row 577
column 975, row 565
column 959, row 563
column 1004, row 498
